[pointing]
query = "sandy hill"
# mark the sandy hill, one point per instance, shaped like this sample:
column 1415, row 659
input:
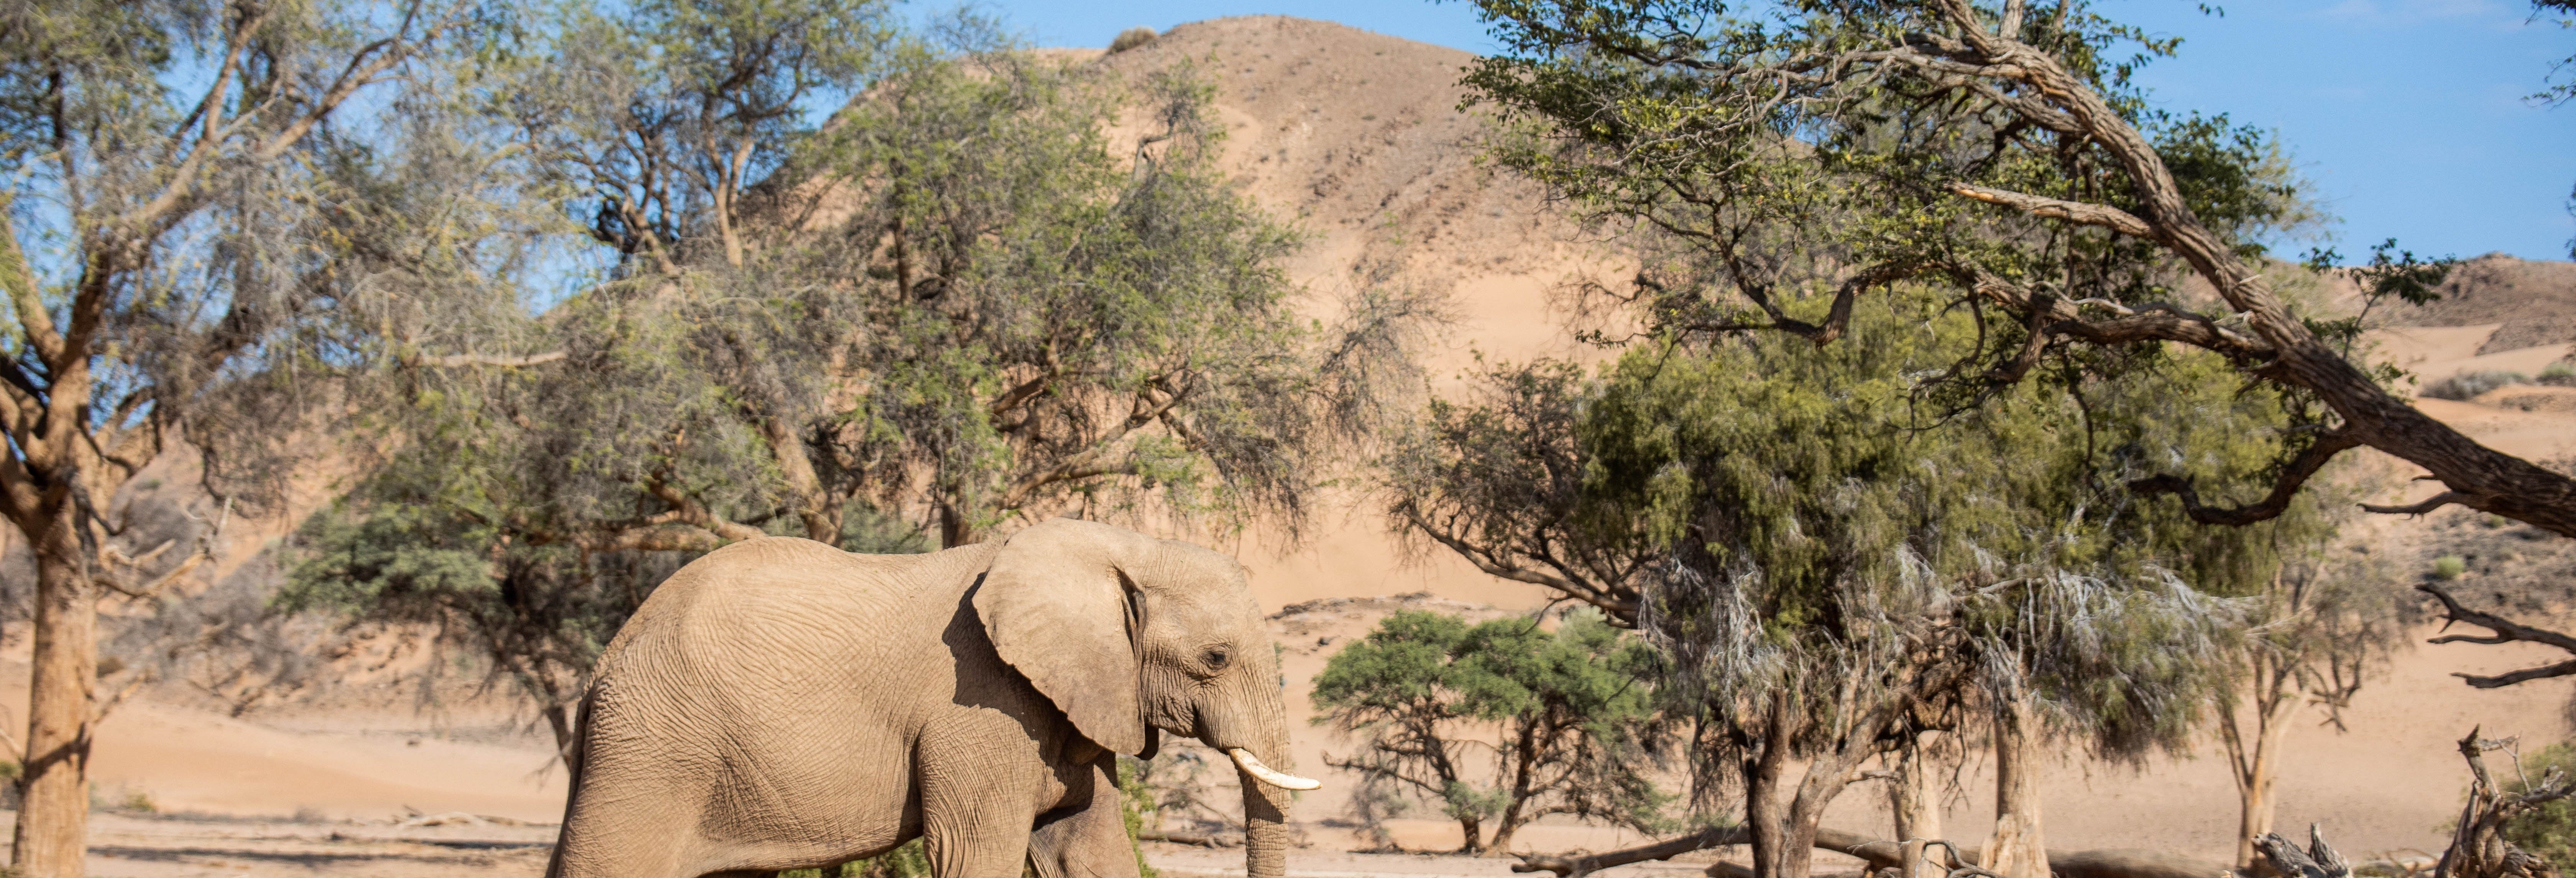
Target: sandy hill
column 1357, row 138
column 2531, row 303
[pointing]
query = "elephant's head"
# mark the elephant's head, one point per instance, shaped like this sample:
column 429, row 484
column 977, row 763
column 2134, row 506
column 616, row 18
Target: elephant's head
column 1128, row 635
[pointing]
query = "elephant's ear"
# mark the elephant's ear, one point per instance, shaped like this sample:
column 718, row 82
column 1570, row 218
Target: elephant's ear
column 1057, row 604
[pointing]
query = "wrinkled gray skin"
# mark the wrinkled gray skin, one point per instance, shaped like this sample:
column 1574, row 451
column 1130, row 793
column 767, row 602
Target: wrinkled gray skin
column 781, row 704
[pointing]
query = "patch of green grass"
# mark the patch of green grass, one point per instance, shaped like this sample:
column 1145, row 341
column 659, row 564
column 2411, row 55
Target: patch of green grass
column 2449, row 567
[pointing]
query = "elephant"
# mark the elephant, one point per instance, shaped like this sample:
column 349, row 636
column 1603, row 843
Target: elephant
column 782, row 704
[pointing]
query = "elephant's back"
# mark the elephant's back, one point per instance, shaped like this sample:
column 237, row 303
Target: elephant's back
column 772, row 635
column 782, row 602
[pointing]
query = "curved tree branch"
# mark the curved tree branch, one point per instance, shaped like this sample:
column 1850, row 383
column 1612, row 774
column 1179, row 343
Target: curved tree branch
column 2506, row 631
column 2293, row 476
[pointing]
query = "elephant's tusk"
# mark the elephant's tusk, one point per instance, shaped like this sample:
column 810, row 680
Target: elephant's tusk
column 1243, row 759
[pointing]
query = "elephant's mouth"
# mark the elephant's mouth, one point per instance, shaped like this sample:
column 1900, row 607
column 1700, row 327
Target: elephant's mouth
column 1245, row 760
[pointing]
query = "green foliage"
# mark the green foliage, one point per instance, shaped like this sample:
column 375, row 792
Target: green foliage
column 1821, row 555
column 1136, row 803
column 537, row 614
column 1774, row 164
column 2549, row 830
column 665, row 112
column 1054, row 329
column 1571, row 708
column 2448, row 567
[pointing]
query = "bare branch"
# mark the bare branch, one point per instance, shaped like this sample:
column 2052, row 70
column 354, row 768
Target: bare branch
column 2429, row 504
column 2101, row 215
column 2506, row 631
column 453, row 361
column 2285, row 487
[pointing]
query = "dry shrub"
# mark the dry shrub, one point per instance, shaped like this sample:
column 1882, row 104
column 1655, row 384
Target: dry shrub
column 1131, row 38
column 2468, row 385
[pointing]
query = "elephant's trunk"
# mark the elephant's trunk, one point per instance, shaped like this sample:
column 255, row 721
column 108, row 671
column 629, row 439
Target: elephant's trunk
column 1265, row 828
column 1252, row 729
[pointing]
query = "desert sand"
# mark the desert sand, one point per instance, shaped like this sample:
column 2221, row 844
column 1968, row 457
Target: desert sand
column 1358, row 137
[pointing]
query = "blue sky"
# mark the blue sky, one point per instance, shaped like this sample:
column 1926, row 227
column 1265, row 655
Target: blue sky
column 2407, row 114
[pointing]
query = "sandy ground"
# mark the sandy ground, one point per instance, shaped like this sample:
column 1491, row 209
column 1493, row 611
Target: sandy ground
column 1357, row 136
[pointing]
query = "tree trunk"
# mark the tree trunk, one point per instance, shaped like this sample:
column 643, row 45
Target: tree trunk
column 2255, row 774
column 2254, row 759
column 954, row 528
column 1766, row 816
column 559, row 719
column 2017, row 849
column 53, row 822
column 1825, row 779
column 1917, row 811
column 1525, row 750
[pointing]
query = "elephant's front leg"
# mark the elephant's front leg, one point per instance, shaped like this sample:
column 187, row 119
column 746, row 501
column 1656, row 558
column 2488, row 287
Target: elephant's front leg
column 1087, row 839
column 980, row 788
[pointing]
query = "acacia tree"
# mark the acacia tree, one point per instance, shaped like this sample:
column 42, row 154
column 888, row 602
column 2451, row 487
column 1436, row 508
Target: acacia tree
column 2322, row 623
column 536, row 483
column 1570, row 710
column 1817, row 151
column 1826, row 582
column 1084, row 333
column 180, row 245
column 1065, row 322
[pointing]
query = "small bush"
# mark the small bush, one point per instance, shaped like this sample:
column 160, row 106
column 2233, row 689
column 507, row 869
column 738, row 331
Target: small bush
column 129, row 801
column 2548, row 831
column 2449, row 567
column 2468, row 385
column 2559, row 374
column 1131, row 38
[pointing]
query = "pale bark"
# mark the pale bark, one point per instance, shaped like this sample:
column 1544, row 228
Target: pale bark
column 2017, row 848
column 1917, row 811
column 52, row 838
column 2254, row 762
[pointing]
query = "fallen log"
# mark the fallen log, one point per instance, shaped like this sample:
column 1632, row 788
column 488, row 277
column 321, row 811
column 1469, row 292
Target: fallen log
column 2318, row 861
column 1879, row 854
column 2129, row 863
column 1586, row 864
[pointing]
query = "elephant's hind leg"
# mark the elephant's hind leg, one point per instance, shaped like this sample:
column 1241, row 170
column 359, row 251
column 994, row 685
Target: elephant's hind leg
column 1088, row 840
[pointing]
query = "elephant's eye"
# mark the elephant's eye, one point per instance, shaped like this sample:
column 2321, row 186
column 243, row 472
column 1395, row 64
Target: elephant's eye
column 1216, row 658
